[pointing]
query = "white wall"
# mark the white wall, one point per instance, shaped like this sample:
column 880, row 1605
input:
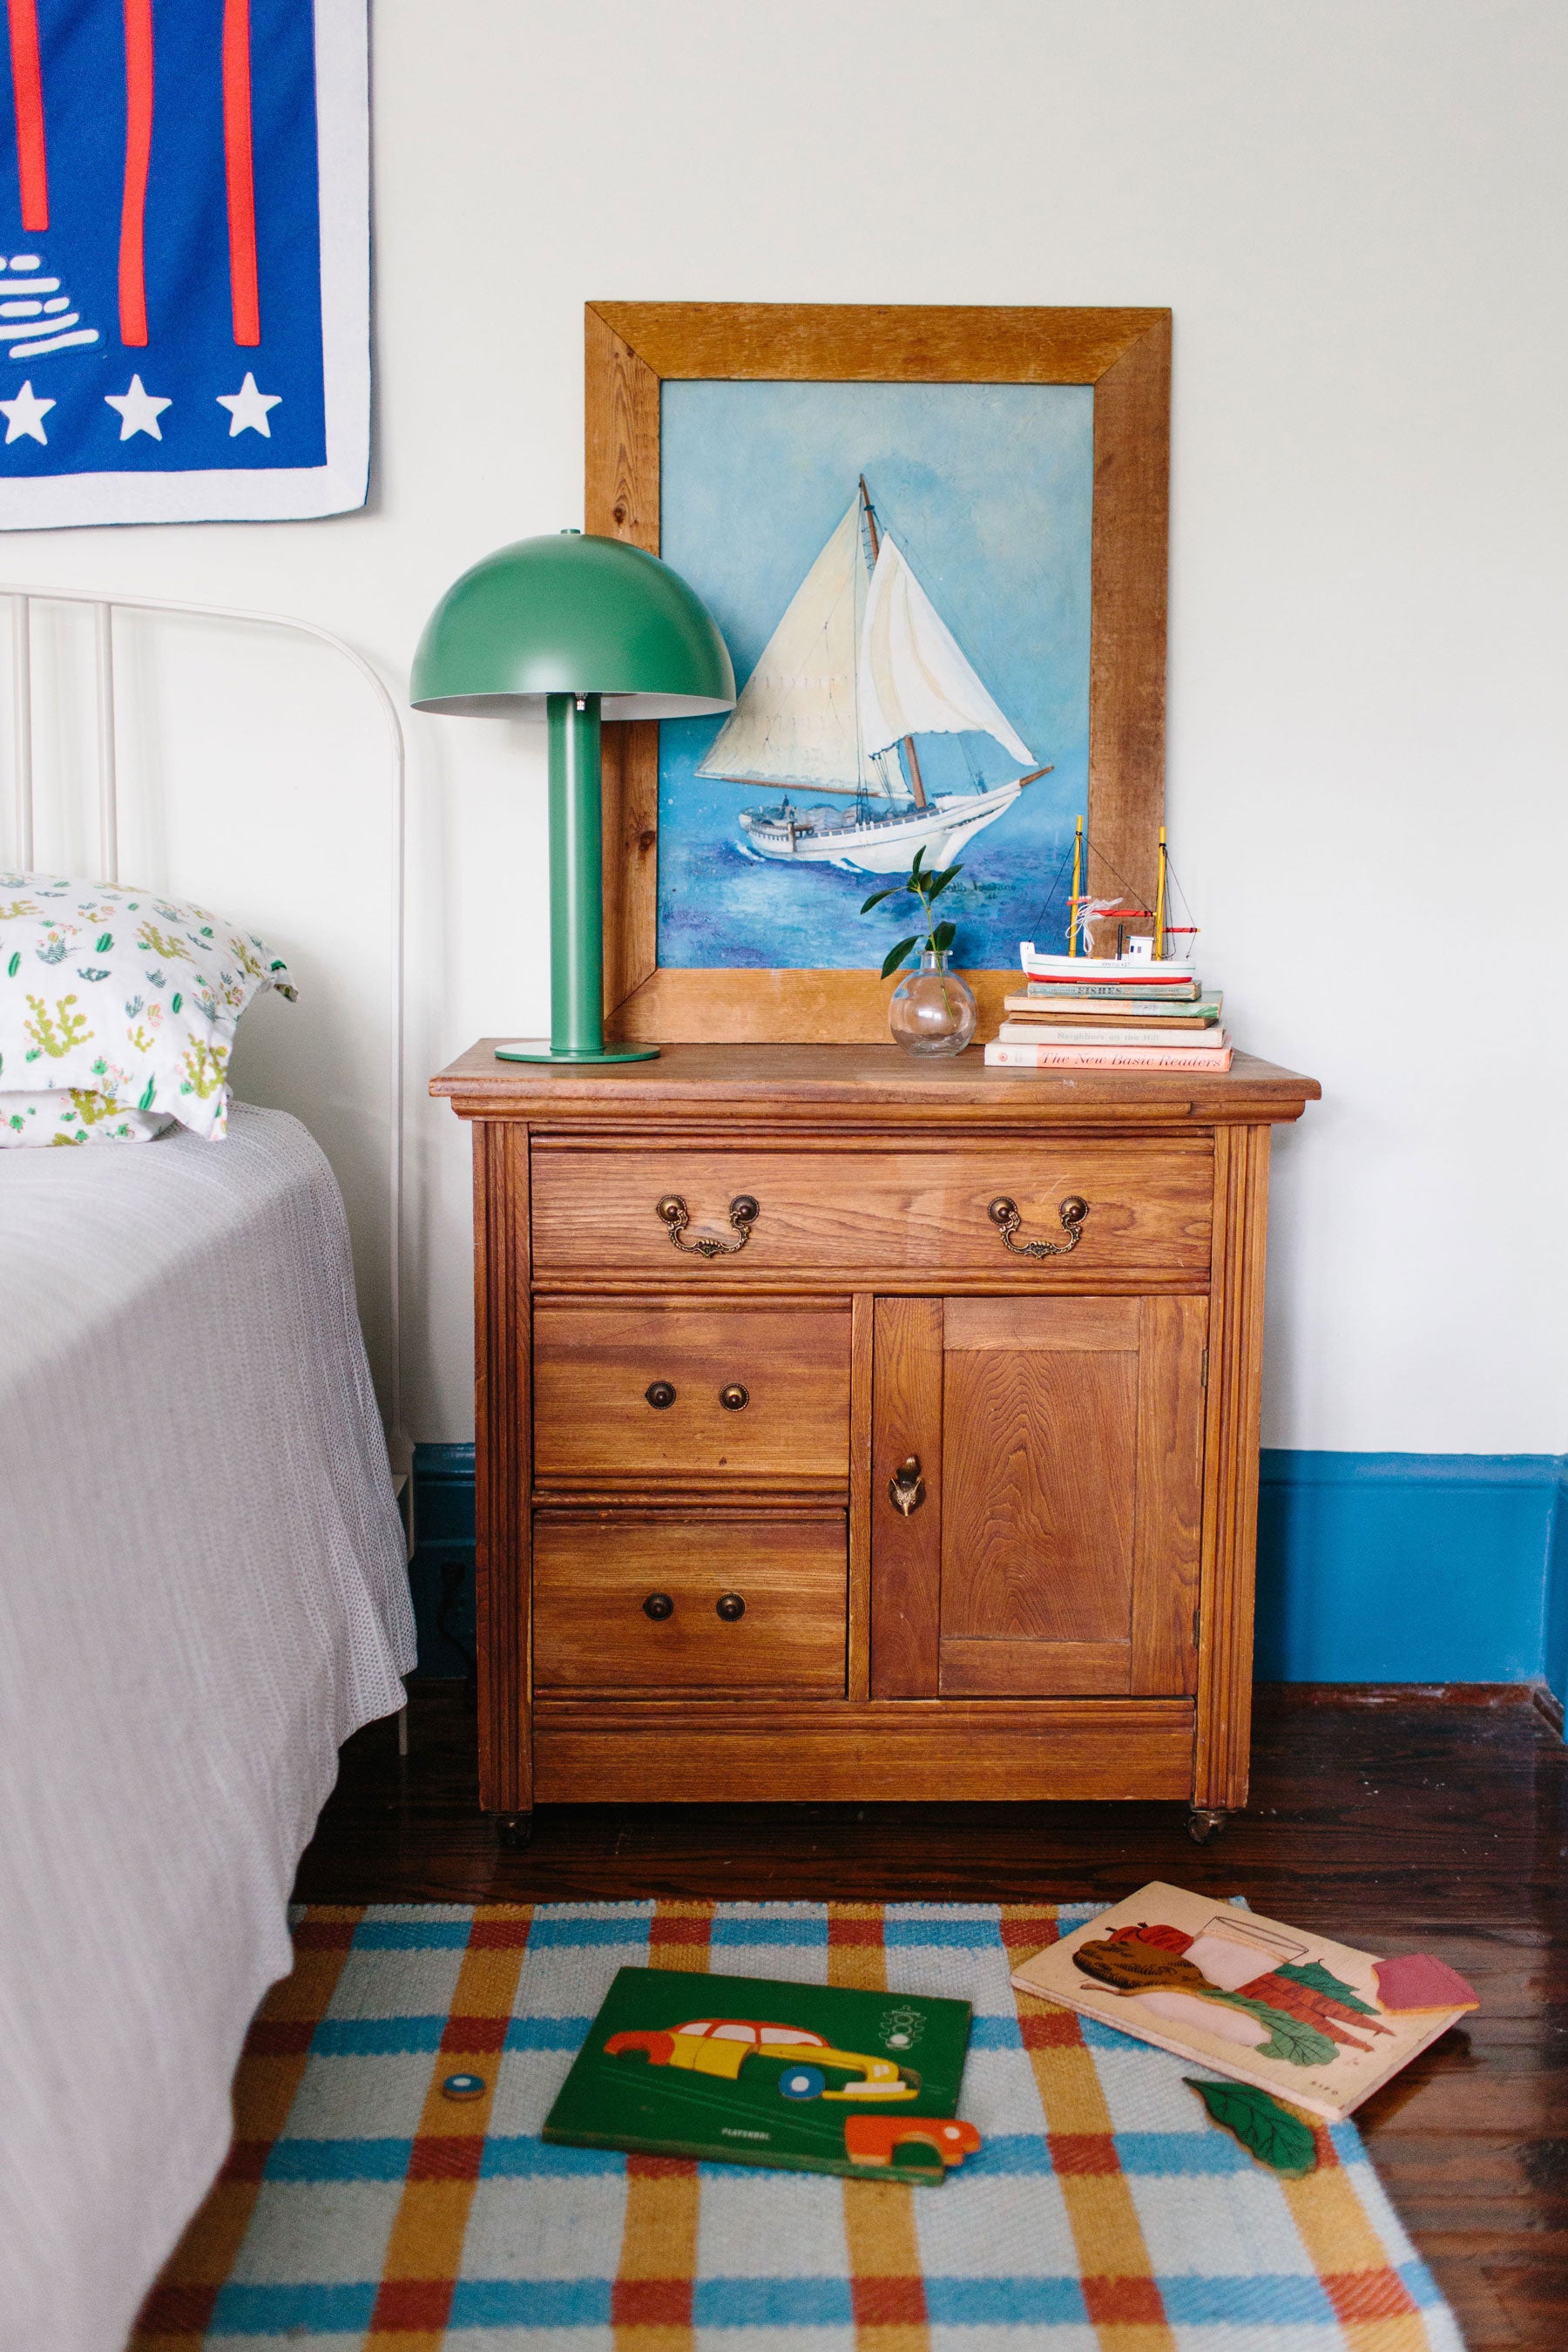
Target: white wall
column 1355, row 210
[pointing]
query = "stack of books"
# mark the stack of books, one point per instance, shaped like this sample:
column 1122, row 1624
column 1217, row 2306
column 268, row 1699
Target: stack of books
column 1110, row 1013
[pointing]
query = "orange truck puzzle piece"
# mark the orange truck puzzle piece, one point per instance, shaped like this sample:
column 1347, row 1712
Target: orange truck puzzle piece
column 871, row 2139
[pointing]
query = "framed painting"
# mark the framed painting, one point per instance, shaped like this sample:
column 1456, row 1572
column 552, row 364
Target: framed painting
column 935, row 543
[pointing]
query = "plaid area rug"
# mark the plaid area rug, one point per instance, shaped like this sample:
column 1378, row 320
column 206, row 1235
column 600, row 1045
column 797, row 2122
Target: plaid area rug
column 1103, row 2214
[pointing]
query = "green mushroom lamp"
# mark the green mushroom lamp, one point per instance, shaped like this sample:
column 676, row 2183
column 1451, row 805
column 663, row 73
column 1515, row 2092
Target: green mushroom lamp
column 572, row 629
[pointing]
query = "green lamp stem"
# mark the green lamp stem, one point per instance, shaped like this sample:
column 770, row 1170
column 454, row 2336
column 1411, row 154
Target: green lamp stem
column 576, row 883
column 576, row 894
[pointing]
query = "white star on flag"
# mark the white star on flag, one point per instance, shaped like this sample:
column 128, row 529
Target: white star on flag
column 25, row 416
column 138, row 410
column 247, row 408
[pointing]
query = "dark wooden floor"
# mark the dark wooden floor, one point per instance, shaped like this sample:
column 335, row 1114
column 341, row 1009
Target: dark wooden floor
column 1411, row 1821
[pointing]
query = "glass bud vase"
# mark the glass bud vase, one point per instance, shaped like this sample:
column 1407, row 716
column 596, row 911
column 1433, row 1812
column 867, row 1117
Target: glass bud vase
column 932, row 1010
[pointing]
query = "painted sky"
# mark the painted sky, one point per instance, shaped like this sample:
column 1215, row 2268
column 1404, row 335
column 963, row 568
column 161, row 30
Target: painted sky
column 988, row 491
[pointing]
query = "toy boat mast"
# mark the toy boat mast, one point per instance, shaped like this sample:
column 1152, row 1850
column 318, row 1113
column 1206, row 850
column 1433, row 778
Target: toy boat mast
column 1083, row 906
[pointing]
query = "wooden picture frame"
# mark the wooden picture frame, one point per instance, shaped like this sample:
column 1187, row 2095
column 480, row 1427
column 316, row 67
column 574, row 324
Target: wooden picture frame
column 633, row 348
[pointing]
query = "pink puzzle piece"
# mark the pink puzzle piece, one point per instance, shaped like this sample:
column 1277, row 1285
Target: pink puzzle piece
column 1418, row 1982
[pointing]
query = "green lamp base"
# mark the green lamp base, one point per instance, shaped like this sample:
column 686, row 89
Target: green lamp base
column 539, row 1049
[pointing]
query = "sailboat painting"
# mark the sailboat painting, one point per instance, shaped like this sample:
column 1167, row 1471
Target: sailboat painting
column 902, row 575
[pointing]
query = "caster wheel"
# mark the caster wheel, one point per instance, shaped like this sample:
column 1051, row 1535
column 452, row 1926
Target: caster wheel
column 1202, row 1826
column 515, row 1832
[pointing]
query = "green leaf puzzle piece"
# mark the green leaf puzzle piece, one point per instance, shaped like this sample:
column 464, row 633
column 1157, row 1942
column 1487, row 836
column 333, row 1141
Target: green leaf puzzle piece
column 1265, row 2128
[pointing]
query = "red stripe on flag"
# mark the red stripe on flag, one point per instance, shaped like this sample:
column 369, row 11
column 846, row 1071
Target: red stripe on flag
column 28, row 82
column 137, row 156
column 239, row 171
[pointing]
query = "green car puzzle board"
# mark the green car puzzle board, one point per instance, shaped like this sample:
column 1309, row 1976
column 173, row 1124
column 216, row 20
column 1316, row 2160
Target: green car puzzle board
column 817, row 2078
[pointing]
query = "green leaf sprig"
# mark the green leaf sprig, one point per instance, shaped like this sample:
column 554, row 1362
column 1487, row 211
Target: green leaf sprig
column 927, row 886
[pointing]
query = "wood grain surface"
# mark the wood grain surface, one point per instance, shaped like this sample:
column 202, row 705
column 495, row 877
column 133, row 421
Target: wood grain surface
column 1039, row 1463
column 860, row 1087
column 1168, row 1537
column 910, row 1211
column 767, row 1751
column 1230, row 1468
column 503, row 1467
column 592, row 1572
column 594, row 1363
column 906, row 1552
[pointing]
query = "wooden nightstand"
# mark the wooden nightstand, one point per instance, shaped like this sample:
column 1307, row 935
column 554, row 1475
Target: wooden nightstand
column 853, row 1427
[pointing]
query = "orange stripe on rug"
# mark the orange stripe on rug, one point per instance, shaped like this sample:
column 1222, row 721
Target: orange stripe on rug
column 425, row 2250
column 887, row 2288
column 651, row 2299
column 1119, row 2290
column 176, row 2313
column 1371, row 2300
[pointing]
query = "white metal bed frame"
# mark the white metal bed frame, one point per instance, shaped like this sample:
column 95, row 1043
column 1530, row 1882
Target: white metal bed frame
column 104, row 604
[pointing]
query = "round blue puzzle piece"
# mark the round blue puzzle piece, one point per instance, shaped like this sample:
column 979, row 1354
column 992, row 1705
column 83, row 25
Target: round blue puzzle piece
column 464, row 2086
column 803, row 2081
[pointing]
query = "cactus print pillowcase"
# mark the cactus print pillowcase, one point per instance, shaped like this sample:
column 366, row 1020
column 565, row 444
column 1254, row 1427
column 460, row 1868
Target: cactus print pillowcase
column 118, row 1010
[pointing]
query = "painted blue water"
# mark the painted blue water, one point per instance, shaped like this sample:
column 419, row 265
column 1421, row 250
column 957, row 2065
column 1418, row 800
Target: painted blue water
column 721, row 906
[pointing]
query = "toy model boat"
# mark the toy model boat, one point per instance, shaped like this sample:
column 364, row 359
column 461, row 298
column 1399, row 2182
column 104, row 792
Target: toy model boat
column 860, row 667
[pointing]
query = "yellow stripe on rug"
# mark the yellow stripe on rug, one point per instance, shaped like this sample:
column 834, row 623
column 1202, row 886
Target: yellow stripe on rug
column 650, row 2302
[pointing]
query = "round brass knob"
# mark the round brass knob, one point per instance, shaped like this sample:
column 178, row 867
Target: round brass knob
column 660, row 1395
column 734, row 1399
column 658, row 1606
column 730, row 1606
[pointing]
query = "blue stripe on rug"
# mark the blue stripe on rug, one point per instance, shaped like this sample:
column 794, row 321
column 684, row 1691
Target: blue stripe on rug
column 1273, row 2298
column 519, row 2156
column 338, row 2159
column 311, row 2307
column 411, row 1936
column 810, row 1934
column 771, row 2302
column 1005, row 2301
column 531, row 2303
column 627, row 1929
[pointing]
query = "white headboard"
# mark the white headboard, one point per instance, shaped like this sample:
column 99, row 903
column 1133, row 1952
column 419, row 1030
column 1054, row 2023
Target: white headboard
column 104, row 606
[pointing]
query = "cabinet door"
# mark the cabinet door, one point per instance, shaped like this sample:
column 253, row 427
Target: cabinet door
column 1052, row 1545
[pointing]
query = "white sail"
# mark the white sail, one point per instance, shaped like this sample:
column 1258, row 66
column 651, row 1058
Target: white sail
column 914, row 679
column 797, row 719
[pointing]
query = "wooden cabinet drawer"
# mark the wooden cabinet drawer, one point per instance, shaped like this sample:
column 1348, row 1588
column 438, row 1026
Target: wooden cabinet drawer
column 902, row 1214
column 634, row 1391
column 593, row 1574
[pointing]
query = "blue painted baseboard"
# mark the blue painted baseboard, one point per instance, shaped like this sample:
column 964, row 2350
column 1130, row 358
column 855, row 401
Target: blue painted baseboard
column 1404, row 1568
column 1372, row 1568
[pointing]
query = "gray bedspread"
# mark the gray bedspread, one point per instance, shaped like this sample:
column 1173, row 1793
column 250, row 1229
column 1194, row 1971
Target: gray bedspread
column 201, row 1594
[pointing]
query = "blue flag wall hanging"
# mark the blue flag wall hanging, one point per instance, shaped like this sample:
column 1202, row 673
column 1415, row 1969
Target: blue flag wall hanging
column 185, row 260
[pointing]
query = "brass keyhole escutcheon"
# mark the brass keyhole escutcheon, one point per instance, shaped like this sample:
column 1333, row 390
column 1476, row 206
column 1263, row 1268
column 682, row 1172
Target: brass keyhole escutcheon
column 906, row 1487
column 660, row 1394
column 658, row 1606
column 734, row 1399
column 730, row 1607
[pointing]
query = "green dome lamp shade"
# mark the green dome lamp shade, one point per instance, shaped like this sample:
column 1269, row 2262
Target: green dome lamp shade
column 570, row 629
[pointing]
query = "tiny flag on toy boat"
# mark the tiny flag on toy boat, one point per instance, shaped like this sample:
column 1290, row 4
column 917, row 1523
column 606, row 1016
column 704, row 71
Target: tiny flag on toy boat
column 183, row 261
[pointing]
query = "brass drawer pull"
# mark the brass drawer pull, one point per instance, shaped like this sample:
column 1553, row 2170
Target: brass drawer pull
column 1005, row 1214
column 906, row 1487
column 658, row 1606
column 743, row 1213
column 730, row 1607
column 734, row 1399
column 660, row 1394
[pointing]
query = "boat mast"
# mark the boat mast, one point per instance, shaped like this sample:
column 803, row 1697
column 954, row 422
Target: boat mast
column 917, row 781
column 1160, row 901
column 1076, row 878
